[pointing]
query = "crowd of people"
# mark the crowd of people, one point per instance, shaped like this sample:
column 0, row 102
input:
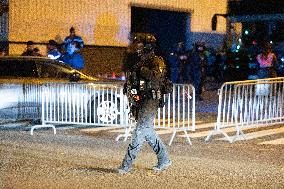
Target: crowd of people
column 68, row 52
column 200, row 64
column 192, row 66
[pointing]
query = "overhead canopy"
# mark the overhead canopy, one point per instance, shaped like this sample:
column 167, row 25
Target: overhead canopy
column 255, row 7
column 255, row 10
column 255, row 18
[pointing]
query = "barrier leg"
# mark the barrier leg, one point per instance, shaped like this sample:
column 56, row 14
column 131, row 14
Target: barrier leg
column 187, row 137
column 211, row 133
column 126, row 134
column 217, row 131
column 209, row 136
column 226, row 136
column 173, row 136
column 42, row 126
column 238, row 134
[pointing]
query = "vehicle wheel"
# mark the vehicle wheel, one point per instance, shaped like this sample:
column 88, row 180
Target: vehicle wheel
column 106, row 110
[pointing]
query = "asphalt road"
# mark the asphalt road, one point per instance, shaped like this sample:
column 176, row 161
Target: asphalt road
column 79, row 157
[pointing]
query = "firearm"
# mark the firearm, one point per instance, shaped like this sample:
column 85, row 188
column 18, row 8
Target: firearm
column 132, row 88
column 134, row 85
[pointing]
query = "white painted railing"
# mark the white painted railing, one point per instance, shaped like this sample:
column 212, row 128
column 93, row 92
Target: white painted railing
column 178, row 114
column 30, row 101
column 97, row 104
column 249, row 104
column 105, row 105
column 20, row 100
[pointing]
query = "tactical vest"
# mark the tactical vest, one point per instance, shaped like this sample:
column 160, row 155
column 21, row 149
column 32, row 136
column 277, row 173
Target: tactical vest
column 147, row 81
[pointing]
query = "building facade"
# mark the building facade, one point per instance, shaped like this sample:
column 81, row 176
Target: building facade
column 103, row 24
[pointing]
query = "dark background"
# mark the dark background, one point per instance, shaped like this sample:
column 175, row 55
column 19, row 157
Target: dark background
column 169, row 27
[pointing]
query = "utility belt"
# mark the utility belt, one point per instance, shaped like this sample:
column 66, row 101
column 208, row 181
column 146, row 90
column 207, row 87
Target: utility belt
column 143, row 90
column 146, row 94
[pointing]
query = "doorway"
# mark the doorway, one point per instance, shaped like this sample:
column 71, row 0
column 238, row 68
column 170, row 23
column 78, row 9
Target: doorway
column 169, row 27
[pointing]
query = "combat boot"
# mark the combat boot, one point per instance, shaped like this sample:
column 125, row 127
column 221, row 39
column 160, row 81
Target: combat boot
column 162, row 166
column 123, row 170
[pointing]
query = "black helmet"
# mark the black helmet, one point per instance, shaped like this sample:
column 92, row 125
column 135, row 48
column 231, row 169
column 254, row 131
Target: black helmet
column 148, row 40
column 145, row 38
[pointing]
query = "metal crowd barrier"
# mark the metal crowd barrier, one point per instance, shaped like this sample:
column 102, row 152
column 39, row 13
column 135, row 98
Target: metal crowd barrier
column 105, row 105
column 250, row 103
column 178, row 114
column 20, row 101
column 100, row 104
column 30, row 102
column 179, row 111
column 97, row 104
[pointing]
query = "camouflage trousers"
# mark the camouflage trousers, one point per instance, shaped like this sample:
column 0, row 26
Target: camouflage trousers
column 144, row 131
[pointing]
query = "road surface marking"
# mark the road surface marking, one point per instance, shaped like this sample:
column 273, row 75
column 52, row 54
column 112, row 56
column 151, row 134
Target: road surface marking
column 258, row 134
column 97, row 129
column 275, row 142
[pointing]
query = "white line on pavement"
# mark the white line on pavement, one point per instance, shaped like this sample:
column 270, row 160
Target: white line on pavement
column 275, row 142
column 196, row 134
column 97, row 129
column 257, row 134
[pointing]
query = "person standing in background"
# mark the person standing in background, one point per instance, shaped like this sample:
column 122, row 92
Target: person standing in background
column 267, row 63
column 72, row 57
column 52, row 51
column 198, row 65
column 182, row 54
column 73, row 38
column 29, row 49
column 174, row 65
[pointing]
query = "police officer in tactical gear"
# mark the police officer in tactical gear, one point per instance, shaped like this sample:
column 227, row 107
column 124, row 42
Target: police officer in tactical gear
column 144, row 74
column 198, row 66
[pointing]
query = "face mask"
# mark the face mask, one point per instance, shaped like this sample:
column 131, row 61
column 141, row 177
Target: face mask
column 139, row 52
column 71, row 49
column 139, row 48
